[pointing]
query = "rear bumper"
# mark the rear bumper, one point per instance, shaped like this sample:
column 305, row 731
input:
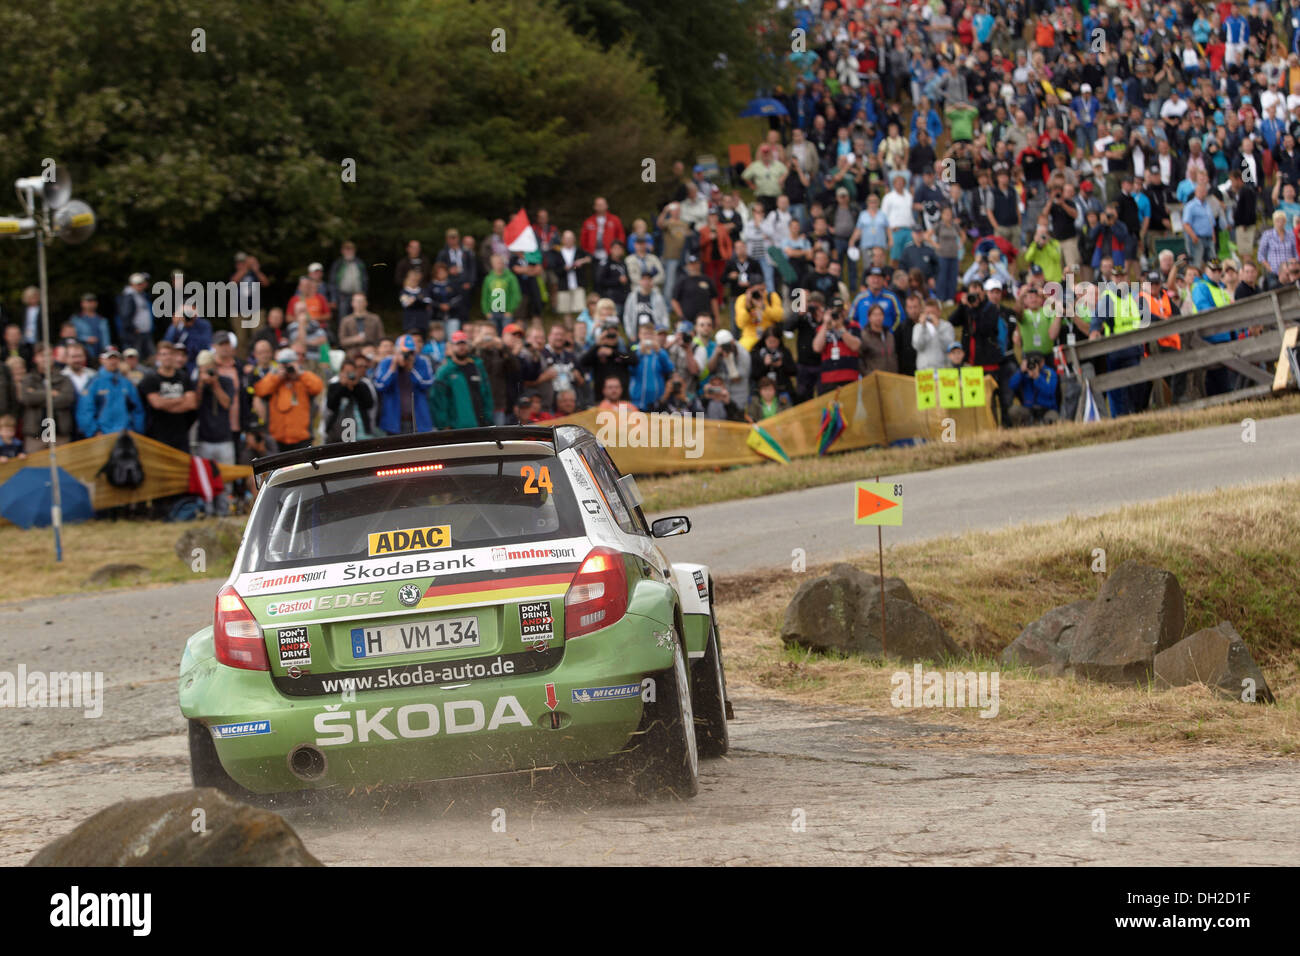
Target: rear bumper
column 425, row 733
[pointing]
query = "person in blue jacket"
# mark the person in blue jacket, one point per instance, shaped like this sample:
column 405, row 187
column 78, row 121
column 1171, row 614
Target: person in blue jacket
column 403, row 381
column 1035, row 385
column 652, row 370
column 110, row 402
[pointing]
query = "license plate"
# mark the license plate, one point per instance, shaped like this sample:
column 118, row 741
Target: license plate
column 414, row 637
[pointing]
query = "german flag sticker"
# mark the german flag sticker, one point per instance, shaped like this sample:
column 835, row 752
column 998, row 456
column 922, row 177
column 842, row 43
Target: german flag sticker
column 409, row 539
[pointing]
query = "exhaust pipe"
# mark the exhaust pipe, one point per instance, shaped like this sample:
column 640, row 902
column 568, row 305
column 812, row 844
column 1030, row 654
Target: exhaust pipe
column 307, row 763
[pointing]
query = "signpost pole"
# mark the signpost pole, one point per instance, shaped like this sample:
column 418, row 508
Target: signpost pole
column 880, row 550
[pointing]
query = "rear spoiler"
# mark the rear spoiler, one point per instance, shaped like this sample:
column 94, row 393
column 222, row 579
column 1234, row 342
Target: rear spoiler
column 561, row 437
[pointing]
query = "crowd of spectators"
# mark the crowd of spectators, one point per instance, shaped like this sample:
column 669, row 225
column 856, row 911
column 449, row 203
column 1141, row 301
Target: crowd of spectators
column 940, row 169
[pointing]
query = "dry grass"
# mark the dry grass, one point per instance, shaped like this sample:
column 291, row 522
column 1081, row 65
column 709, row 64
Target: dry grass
column 751, row 481
column 1235, row 553
column 29, row 569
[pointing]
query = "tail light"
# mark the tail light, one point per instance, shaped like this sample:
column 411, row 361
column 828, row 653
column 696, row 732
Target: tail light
column 235, row 634
column 597, row 596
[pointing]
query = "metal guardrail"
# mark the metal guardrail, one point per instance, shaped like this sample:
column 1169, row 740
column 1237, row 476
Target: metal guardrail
column 1276, row 308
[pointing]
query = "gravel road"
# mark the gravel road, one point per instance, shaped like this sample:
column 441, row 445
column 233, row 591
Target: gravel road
column 802, row 784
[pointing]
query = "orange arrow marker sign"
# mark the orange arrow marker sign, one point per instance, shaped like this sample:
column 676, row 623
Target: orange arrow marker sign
column 878, row 502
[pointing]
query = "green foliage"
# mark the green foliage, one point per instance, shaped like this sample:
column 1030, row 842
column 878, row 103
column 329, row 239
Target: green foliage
column 707, row 55
column 189, row 156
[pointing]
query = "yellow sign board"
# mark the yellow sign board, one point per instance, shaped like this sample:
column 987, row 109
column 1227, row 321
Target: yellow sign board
column 949, row 388
column 927, row 389
column 972, row 386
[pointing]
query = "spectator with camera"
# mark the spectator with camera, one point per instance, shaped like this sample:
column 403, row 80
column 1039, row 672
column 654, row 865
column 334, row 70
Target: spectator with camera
column 289, row 392
column 607, row 358
column 403, row 381
column 770, row 359
column 756, row 311
column 730, row 365
column 1035, row 385
column 649, row 379
column 348, row 398
column 837, row 341
column 932, row 337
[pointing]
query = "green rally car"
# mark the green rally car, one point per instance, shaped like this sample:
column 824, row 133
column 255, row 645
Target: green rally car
column 448, row 604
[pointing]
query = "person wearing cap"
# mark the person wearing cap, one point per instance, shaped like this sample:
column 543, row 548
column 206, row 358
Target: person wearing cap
column 649, row 377
column 403, row 381
column 645, row 304
column 110, row 403
column 289, row 392
column 728, row 365
column 134, row 314
column 349, row 398
column 898, row 209
column 875, row 293
column 642, row 259
column 131, row 366
column 462, row 396
column 1157, row 305
column 324, row 288
column 756, row 311
column 168, row 394
column 92, row 328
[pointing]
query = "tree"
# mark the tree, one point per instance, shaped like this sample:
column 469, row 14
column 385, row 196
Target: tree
column 193, row 145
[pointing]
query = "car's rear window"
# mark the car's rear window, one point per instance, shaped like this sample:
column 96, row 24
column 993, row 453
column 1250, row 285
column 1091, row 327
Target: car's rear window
column 388, row 510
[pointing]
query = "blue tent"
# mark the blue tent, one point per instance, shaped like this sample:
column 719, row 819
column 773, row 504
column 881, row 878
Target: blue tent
column 764, row 106
column 25, row 498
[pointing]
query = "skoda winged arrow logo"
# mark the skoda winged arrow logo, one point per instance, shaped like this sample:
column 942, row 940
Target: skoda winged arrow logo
column 409, row 594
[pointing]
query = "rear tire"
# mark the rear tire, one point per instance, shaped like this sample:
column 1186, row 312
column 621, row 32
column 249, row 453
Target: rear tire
column 709, row 699
column 664, row 758
column 205, row 765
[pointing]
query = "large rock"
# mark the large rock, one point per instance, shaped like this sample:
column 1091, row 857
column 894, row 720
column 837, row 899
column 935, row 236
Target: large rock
column 219, row 541
column 1045, row 644
column 1138, row 613
column 840, row 611
column 161, row 831
column 1217, row 657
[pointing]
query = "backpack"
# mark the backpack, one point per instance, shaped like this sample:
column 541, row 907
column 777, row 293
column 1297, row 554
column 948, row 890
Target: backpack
column 123, row 468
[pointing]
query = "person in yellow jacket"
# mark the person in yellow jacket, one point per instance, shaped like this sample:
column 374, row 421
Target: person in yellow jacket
column 755, row 311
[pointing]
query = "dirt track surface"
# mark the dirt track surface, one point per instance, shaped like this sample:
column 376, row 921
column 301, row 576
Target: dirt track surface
column 868, row 789
column 872, row 789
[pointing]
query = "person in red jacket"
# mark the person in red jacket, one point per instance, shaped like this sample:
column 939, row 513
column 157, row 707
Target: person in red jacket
column 601, row 230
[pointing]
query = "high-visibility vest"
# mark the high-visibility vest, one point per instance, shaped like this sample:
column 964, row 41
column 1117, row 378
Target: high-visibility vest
column 1125, row 314
column 1221, row 298
column 1163, row 308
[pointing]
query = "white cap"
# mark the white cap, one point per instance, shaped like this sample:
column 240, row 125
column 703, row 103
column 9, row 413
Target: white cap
column 314, row 266
column 137, row 277
column 724, row 337
column 993, row 283
column 1086, row 88
column 286, row 355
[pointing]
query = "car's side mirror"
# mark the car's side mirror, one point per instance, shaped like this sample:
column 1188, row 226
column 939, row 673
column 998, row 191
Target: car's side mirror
column 668, row 527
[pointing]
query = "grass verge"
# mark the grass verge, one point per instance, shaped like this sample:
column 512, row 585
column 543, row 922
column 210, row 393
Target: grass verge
column 767, row 478
column 30, row 571
column 1235, row 553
